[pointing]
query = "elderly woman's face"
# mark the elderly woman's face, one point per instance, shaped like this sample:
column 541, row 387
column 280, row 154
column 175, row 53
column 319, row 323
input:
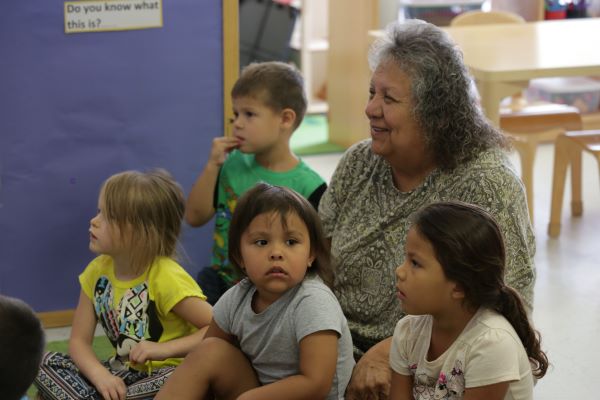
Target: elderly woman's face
column 395, row 133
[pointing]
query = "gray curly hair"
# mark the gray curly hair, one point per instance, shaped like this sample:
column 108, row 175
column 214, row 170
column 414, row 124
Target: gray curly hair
column 445, row 105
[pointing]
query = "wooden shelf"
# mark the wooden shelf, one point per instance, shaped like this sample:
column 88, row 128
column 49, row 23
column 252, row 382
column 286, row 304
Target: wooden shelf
column 311, row 41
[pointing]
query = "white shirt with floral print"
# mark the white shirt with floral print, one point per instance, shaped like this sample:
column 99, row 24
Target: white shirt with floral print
column 488, row 351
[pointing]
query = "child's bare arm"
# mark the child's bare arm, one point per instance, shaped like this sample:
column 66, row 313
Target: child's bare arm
column 318, row 362
column 199, row 206
column 215, row 366
column 192, row 309
column 401, row 387
column 215, row 331
column 82, row 353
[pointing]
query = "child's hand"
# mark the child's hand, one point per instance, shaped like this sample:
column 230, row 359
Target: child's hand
column 147, row 350
column 110, row 387
column 220, row 147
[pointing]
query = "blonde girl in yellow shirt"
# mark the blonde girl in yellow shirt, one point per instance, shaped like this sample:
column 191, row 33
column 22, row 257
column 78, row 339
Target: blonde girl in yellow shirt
column 151, row 310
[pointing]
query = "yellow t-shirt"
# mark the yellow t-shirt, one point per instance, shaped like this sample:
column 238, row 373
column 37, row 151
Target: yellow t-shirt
column 139, row 309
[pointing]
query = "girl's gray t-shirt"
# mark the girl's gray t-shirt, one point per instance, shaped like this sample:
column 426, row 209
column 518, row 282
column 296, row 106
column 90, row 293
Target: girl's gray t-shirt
column 271, row 339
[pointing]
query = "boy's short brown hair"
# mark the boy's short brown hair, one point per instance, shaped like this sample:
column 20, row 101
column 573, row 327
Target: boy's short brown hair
column 277, row 84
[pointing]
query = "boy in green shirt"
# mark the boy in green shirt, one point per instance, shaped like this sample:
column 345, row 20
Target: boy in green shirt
column 268, row 105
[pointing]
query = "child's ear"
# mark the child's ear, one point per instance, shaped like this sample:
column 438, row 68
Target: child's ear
column 288, row 118
column 458, row 292
column 311, row 259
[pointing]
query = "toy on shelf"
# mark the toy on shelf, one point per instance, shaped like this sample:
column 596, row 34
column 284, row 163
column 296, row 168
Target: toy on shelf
column 560, row 9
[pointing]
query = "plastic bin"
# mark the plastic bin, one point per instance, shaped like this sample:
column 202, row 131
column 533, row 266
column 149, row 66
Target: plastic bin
column 438, row 12
column 581, row 92
column 265, row 30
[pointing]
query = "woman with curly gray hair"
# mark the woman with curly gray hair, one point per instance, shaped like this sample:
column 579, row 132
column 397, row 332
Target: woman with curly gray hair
column 429, row 142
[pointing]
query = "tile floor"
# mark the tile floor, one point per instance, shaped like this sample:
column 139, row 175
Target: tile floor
column 567, row 302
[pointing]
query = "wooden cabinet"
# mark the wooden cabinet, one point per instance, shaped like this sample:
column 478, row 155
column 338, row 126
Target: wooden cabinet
column 348, row 69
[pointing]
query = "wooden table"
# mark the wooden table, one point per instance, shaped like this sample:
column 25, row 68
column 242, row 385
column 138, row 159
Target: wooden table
column 502, row 58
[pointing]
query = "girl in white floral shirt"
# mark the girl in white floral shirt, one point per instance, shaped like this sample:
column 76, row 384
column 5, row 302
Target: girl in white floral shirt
column 467, row 335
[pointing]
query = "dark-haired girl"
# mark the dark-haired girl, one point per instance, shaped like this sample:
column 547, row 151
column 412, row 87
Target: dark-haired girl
column 467, row 335
column 279, row 333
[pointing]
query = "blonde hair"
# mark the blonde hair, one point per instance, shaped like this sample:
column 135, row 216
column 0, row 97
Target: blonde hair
column 147, row 208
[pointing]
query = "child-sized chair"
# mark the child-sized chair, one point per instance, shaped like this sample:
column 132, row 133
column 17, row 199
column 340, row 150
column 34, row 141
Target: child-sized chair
column 476, row 17
column 567, row 152
column 527, row 124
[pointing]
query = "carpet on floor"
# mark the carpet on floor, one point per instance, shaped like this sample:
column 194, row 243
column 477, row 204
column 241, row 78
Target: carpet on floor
column 312, row 136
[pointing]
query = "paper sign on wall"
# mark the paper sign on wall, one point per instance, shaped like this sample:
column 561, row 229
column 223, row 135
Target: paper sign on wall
column 112, row 15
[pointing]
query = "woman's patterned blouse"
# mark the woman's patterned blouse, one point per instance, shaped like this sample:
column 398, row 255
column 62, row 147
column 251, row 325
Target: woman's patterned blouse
column 366, row 218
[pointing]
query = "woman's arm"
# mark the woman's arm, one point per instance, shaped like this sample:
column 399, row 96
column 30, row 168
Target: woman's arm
column 318, row 362
column 82, row 353
column 191, row 309
column 401, row 387
column 372, row 374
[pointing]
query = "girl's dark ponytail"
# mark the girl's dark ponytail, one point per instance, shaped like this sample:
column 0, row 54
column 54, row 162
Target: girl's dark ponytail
column 469, row 245
column 511, row 307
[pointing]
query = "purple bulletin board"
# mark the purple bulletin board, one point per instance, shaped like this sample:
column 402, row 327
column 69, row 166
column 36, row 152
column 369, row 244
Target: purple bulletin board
column 76, row 108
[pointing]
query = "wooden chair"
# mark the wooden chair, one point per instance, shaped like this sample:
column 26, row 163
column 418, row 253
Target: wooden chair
column 567, row 152
column 527, row 124
column 531, row 125
column 531, row 10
